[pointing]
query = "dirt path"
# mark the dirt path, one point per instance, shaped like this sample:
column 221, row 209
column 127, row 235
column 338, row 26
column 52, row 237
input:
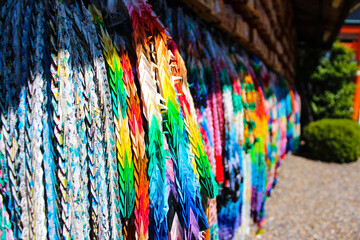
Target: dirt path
column 314, row 200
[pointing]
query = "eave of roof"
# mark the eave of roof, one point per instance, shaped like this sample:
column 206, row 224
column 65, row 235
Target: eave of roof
column 318, row 22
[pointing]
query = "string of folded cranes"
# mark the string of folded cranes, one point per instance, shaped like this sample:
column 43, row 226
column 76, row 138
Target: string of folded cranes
column 107, row 133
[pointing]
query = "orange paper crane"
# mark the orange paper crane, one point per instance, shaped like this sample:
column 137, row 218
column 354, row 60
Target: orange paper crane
column 138, row 146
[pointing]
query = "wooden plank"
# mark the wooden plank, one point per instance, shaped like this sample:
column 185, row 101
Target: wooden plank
column 228, row 24
column 254, row 18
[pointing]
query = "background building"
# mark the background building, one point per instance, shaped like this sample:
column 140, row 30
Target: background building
column 350, row 36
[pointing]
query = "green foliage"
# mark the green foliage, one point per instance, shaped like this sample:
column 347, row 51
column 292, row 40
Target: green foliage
column 333, row 140
column 335, row 105
column 332, row 88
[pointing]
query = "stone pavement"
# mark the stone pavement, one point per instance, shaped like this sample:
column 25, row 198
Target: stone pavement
column 314, row 200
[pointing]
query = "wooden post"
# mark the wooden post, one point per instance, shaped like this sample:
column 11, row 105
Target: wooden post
column 357, row 91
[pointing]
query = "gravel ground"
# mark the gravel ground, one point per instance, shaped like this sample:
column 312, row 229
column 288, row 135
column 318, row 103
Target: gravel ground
column 314, row 200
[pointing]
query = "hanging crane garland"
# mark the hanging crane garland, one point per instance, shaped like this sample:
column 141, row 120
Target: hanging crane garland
column 101, row 103
column 107, row 133
column 239, row 138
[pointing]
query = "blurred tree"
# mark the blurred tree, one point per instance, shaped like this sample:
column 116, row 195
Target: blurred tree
column 331, row 87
